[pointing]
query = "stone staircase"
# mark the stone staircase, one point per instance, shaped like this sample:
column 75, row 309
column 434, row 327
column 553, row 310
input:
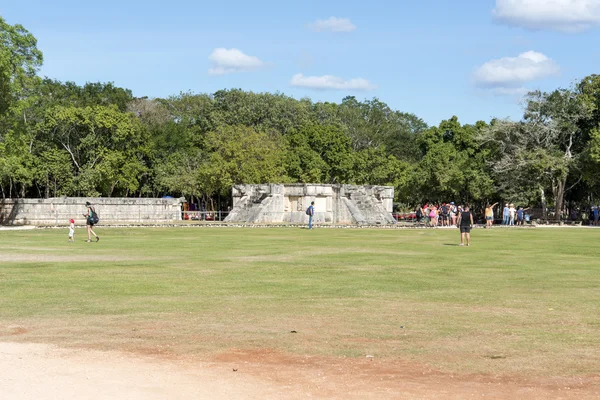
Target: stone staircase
column 367, row 209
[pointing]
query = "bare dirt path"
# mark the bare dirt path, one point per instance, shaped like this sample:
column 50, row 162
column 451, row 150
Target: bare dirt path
column 44, row 372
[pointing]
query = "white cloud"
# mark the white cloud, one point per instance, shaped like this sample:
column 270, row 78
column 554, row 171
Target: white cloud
column 508, row 75
column 228, row 61
column 331, row 82
column 561, row 15
column 333, row 24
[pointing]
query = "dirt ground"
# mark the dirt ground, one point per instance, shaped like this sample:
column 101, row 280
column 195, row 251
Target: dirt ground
column 44, row 372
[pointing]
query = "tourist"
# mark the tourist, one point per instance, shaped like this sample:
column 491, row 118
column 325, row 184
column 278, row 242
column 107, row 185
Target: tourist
column 71, row 230
column 433, row 216
column 511, row 214
column 521, row 215
column 489, row 215
column 453, row 214
column 90, row 222
column 444, row 211
column 419, row 213
column 465, row 223
column 311, row 214
column 573, row 214
column 505, row 215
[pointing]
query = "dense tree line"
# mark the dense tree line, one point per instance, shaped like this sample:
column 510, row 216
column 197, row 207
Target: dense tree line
column 62, row 139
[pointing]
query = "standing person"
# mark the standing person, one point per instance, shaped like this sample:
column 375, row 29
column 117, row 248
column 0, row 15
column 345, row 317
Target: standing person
column 90, row 221
column 311, row 213
column 596, row 214
column 573, row 214
column 71, row 230
column 489, row 215
column 453, row 214
column 505, row 215
column 465, row 223
column 419, row 213
column 433, row 215
column 444, row 214
column 521, row 215
column 511, row 214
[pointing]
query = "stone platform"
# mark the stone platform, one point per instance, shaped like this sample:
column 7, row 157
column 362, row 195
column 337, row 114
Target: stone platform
column 112, row 210
column 334, row 204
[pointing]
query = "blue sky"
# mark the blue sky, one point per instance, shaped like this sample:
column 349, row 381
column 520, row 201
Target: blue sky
column 437, row 58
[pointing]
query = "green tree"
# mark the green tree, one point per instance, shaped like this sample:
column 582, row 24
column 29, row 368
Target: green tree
column 372, row 123
column 240, row 154
column 19, row 62
column 105, row 145
column 453, row 165
column 543, row 149
column 320, row 154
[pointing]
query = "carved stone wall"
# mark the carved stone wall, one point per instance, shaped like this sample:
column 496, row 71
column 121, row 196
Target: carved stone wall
column 334, row 204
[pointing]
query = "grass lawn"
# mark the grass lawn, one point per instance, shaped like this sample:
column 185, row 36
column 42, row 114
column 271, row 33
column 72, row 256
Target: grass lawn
column 518, row 301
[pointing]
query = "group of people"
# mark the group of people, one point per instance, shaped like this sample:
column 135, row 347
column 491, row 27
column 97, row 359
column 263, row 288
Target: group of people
column 444, row 214
column 448, row 214
column 510, row 215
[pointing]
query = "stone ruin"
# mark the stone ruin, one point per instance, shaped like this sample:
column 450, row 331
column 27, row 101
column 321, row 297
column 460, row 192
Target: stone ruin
column 57, row 211
column 334, row 204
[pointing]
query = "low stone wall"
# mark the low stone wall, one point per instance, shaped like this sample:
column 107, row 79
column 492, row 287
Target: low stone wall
column 58, row 211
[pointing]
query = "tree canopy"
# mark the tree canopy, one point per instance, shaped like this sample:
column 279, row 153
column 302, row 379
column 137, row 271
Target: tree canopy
column 97, row 139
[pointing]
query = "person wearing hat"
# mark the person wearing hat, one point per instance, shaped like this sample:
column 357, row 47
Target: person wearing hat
column 90, row 221
column 71, row 230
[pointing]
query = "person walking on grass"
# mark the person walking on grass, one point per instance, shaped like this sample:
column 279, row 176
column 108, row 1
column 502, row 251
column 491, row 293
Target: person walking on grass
column 311, row 213
column 465, row 223
column 90, row 222
column 489, row 215
column 71, row 230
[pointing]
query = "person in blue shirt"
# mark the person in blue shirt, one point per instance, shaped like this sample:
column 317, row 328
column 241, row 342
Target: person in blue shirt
column 311, row 214
column 506, row 215
column 521, row 215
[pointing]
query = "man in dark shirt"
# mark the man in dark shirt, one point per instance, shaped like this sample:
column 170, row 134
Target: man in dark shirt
column 465, row 223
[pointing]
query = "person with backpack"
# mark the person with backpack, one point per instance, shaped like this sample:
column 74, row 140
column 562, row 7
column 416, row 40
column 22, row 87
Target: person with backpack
column 419, row 213
column 91, row 220
column 445, row 210
column 310, row 211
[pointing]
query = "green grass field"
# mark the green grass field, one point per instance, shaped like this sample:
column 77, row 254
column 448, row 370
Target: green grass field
column 518, row 301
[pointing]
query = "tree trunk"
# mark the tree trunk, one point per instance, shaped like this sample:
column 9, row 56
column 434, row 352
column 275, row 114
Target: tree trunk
column 544, row 212
column 560, row 198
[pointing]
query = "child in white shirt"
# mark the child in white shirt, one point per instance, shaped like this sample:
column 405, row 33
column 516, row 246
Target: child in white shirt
column 72, row 230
